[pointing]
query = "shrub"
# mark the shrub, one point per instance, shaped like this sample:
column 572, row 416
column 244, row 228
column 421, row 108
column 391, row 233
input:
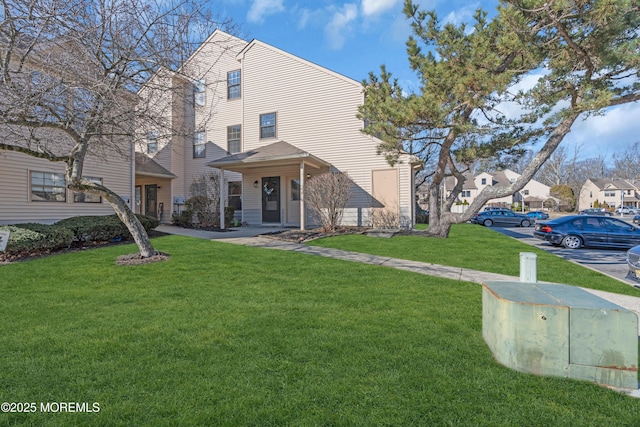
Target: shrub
column 32, row 237
column 183, row 219
column 103, row 228
column 229, row 212
column 327, row 196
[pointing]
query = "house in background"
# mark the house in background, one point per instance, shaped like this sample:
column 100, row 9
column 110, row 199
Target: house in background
column 613, row 192
column 533, row 195
column 278, row 120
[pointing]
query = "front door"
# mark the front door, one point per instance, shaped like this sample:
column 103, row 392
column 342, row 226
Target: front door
column 151, row 200
column 271, row 199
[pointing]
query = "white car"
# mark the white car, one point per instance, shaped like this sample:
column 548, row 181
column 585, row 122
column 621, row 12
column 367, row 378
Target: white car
column 624, row 210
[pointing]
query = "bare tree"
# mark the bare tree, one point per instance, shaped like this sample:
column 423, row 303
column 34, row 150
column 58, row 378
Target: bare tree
column 627, row 164
column 327, row 196
column 205, row 200
column 70, row 74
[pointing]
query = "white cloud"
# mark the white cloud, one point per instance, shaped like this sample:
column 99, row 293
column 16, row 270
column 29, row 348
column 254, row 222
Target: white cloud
column 340, row 25
column 262, row 8
column 372, row 7
column 462, row 15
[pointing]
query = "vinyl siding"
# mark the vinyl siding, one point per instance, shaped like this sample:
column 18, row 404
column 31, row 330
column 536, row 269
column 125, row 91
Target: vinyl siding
column 15, row 195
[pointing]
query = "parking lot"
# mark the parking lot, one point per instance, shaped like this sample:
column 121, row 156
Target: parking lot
column 610, row 262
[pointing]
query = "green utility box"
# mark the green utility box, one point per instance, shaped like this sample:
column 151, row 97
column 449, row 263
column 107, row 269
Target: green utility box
column 560, row 330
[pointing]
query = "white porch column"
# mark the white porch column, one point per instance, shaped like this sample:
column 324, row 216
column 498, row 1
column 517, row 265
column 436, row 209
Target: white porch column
column 302, row 184
column 222, row 225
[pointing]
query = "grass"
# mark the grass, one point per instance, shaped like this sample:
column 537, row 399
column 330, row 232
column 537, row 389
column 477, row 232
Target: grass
column 230, row 335
column 479, row 248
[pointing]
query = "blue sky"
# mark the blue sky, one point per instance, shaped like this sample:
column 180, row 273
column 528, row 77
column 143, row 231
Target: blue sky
column 356, row 37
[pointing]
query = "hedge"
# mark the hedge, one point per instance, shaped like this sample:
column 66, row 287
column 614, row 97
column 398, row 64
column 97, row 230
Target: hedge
column 103, row 228
column 32, row 237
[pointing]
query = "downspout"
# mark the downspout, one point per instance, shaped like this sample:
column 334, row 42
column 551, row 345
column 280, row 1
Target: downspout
column 302, row 184
column 221, row 199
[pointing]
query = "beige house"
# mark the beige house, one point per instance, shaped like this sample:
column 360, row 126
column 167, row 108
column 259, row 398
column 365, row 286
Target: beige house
column 533, row 195
column 612, row 192
column 269, row 121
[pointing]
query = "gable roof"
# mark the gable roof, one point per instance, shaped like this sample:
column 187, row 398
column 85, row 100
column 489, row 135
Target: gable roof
column 146, row 166
column 613, row 183
column 280, row 152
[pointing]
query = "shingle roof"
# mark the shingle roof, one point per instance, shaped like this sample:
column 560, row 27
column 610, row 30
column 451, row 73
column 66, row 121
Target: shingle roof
column 146, row 166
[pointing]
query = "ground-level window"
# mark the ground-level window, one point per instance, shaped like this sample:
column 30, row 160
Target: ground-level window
column 233, row 139
column 48, row 187
column 199, row 145
column 268, row 125
column 235, row 195
column 295, row 190
column 86, row 197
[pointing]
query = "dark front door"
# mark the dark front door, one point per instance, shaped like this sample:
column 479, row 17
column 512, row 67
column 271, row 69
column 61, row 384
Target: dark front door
column 271, row 199
column 151, row 200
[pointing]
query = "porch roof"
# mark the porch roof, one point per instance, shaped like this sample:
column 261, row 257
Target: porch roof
column 146, row 166
column 277, row 154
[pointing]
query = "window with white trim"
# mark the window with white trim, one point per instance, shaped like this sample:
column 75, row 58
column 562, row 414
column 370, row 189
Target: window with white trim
column 199, row 145
column 87, row 197
column 152, row 142
column 48, row 187
column 233, row 84
column 267, row 125
column 466, row 193
column 233, row 139
column 199, row 98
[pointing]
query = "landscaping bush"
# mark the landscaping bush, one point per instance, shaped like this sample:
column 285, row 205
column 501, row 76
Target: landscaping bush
column 103, row 228
column 229, row 212
column 31, row 237
column 183, row 219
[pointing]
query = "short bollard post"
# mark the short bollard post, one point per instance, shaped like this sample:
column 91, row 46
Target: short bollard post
column 528, row 267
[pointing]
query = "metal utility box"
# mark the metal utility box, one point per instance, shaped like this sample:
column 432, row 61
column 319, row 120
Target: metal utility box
column 560, row 330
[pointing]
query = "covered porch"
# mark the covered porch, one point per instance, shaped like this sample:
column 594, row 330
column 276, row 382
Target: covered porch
column 152, row 189
column 273, row 181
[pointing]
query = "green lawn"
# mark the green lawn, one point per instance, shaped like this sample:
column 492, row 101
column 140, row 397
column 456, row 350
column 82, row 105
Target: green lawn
column 478, row 248
column 230, row 335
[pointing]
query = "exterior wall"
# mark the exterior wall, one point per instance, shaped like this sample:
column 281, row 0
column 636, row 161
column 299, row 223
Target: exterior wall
column 588, row 195
column 15, row 194
column 316, row 112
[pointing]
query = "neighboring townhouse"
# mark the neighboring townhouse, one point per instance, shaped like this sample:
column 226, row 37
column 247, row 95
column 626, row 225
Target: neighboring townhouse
column 534, row 194
column 611, row 192
column 278, row 121
column 35, row 189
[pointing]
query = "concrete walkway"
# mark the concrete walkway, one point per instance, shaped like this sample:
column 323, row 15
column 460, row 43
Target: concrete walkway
column 254, row 236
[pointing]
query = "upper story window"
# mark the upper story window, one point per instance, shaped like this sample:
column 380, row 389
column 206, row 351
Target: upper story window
column 198, row 93
column 466, row 193
column 199, row 145
column 48, row 187
column 268, row 125
column 152, row 142
column 233, row 139
column 525, row 192
column 484, row 181
column 87, row 197
column 610, row 193
column 233, row 84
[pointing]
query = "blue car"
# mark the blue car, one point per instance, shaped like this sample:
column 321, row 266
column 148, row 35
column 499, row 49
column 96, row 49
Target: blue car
column 578, row 231
column 537, row 215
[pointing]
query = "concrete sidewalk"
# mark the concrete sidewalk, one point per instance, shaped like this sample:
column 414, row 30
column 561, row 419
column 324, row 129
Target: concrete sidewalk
column 254, row 236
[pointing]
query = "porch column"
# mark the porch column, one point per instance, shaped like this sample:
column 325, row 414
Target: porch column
column 222, row 225
column 302, row 184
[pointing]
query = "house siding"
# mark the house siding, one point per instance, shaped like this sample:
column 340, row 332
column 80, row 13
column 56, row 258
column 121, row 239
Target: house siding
column 15, row 195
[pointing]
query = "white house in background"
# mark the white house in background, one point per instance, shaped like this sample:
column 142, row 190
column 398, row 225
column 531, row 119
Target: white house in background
column 278, row 121
column 613, row 192
column 534, row 194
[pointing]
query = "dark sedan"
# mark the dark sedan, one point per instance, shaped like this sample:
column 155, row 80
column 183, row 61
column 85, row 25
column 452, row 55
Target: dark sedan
column 633, row 261
column 576, row 231
column 596, row 211
column 501, row 217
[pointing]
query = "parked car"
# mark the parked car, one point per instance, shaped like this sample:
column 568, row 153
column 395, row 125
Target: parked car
column 624, row 210
column 636, row 219
column 633, row 262
column 595, row 211
column 537, row 215
column 576, row 231
column 501, row 217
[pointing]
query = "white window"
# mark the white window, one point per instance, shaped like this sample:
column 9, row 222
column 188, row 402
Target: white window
column 268, row 125
column 233, row 139
column 48, row 187
column 484, row 181
column 152, row 142
column 198, row 93
column 233, row 84
column 466, row 193
column 86, row 197
column 199, row 145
